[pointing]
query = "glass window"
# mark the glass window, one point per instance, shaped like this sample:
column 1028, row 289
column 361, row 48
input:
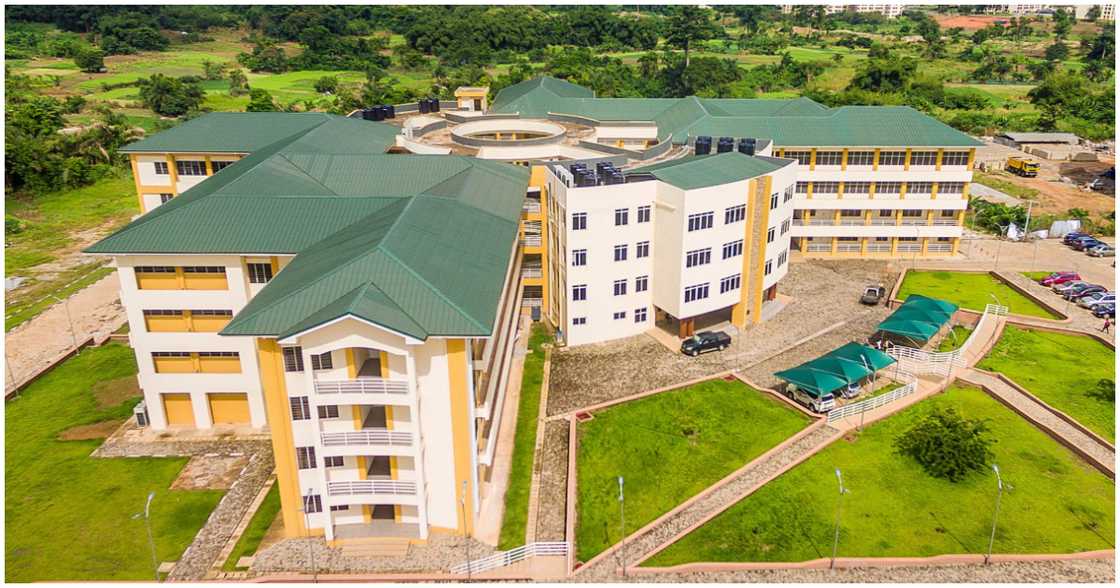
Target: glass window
column 621, row 216
column 620, row 252
column 698, row 257
column 954, row 158
column 259, row 273
column 579, row 257
column 828, row 157
column 861, row 157
column 301, row 409
column 620, row 287
column 293, row 359
column 641, row 283
column 734, row 214
column 579, row 292
column 697, row 292
column 892, row 158
column 642, row 249
column 923, row 158
column 643, row 214
column 579, row 221
column 700, row 220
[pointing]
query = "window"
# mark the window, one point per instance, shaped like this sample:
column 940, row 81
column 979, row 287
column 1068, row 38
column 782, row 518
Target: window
column 948, row 213
column 579, row 320
column 579, row 257
column 802, row 157
column 923, row 158
column 851, row 212
column 643, row 214
column 730, row 283
column 641, row 283
column 301, row 410
column 157, row 312
column 888, row 187
column 312, row 504
column 954, row 158
column 204, row 269
column 697, row 292
column 828, row 157
column 171, row 354
column 950, row 188
column 218, row 166
column 732, row 249
column 911, row 212
column 620, row 252
column 322, row 361
column 770, row 235
column 892, row 157
column 161, row 168
column 333, row 461
column 785, row 226
column 698, row 257
column 579, row 292
column 191, row 168
column 259, row 273
column 788, row 194
column 620, row 315
column 328, row 411
column 700, row 220
column 165, row 198
column 642, row 249
column 640, row 315
column 773, row 201
column 919, row 187
column 886, row 212
column 621, row 216
column 620, row 287
column 857, row 187
column 768, row 268
column 825, row 187
column 802, row 188
column 305, row 458
column 218, row 354
column 579, row 221
column 340, row 507
column 782, row 257
column 861, row 157
column 293, row 359
column 735, row 214
column 155, row 269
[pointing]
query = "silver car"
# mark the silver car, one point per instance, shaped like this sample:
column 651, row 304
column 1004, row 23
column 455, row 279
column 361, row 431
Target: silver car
column 1062, row 288
column 1091, row 300
column 1102, row 251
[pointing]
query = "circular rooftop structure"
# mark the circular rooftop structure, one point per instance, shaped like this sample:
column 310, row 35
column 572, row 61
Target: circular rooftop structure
column 507, row 132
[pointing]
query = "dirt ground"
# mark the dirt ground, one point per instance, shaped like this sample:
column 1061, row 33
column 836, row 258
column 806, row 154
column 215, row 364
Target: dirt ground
column 86, row 432
column 1056, row 196
column 213, row 472
column 113, row 392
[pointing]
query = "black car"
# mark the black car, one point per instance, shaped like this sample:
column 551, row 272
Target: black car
column 1082, row 289
column 1085, row 243
column 705, row 341
column 1102, row 310
column 1069, row 237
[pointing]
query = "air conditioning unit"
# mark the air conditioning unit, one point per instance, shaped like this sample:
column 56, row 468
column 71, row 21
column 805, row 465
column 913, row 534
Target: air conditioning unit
column 141, row 412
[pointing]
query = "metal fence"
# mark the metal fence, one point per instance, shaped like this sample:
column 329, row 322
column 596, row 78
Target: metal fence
column 367, row 437
column 361, row 386
column 872, row 403
column 364, row 487
column 506, row 558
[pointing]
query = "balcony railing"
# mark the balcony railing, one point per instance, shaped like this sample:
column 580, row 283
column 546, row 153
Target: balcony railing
column 847, row 247
column 531, row 207
column 945, row 222
column 939, row 247
column 879, row 247
column 531, row 272
column 851, row 222
column 913, row 222
column 814, row 222
column 531, row 240
column 909, row 247
column 881, row 221
column 819, row 247
column 531, row 302
column 372, row 487
column 368, row 437
column 361, row 386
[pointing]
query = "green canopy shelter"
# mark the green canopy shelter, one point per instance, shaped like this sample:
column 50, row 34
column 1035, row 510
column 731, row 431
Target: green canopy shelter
column 916, row 330
column 925, row 302
column 919, row 314
column 919, row 317
column 859, row 353
column 849, row 371
column 813, row 381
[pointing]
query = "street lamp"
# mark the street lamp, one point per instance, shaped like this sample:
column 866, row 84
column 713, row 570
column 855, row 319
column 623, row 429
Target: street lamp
column 995, row 517
column 306, row 510
column 466, row 537
column 994, row 297
column 867, row 365
column 148, row 523
column 622, row 517
column 836, row 534
column 70, row 321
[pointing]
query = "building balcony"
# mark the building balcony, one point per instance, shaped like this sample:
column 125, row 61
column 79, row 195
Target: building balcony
column 531, row 207
column 369, row 442
column 531, row 241
column 361, row 390
column 531, row 271
column 372, row 492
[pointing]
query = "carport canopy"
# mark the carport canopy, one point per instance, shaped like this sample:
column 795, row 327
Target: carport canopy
column 919, row 317
column 813, row 381
column 916, row 330
column 849, row 371
column 860, row 353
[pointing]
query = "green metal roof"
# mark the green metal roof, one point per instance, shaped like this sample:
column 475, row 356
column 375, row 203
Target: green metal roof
column 860, row 353
column 919, row 317
column 702, row 171
column 849, row 371
column 246, row 132
column 813, row 381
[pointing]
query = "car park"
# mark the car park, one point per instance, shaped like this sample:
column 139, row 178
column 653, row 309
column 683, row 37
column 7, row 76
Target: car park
column 1102, row 251
column 1085, row 243
column 704, row 342
column 1065, row 286
column 1082, row 289
column 1069, row 237
column 1103, row 310
column 818, row 404
column 1060, row 278
column 1096, row 298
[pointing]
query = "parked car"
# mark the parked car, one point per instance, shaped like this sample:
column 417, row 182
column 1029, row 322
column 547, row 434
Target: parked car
column 1069, row 237
column 1085, row 243
column 1102, row 251
column 1063, row 287
column 1096, row 298
column 820, row 404
column 851, row 390
column 872, row 295
column 1059, row 278
column 1103, row 310
column 1082, row 289
column 705, row 341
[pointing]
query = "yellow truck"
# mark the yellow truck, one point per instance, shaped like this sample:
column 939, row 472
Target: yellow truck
column 1022, row 167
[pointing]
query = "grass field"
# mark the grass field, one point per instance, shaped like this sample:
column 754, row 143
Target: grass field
column 955, row 339
column 1043, row 363
column 1058, row 503
column 969, row 290
column 69, row 515
column 524, row 443
column 995, row 182
column 258, row 525
column 668, row 448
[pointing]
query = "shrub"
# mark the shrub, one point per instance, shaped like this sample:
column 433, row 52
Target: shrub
column 947, row 445
column 1104, row 390
column 89, row 59
column 12, row 225
column 326, row 85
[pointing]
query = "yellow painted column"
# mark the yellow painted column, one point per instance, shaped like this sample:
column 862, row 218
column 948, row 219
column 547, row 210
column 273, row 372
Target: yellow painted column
column 836, row 216
column 906, row 164
column 764, row 202
column 863, row 246
column 894, row 245
column 209, row 166
column 956, row 245
column 875, row 160
column 739, row 311
column 940, row 153
column 136, row 181
column 929, row 218
column 867, row 216
column 871, row 190
column 812, row 159
column 898, row 218
column 971, row 158
column 283, row 444
column 902, row 190
column 964, row 191
column 174, row 173
column 925, row 244
column 274, row 262
column 933, row 190
column 843, row 159
column 840, row 190
column 835, row 245
column 460, row 431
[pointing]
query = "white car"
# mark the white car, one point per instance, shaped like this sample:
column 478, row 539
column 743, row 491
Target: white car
column 1091, row 300
column 823, row 404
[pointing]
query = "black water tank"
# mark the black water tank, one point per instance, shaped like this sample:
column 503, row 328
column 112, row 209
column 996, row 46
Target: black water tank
column 390, row 111
column 378, row 113
column 435, row 105
column 425, row 106
column 747, row 146
column 367, row 114
column 703, row 145
column 726, row 144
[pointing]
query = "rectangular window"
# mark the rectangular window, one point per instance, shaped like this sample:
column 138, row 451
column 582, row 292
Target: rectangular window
column 730, row 283
column 734, row 214
column 698, row 257
column 328, row 411
column 697, row 292
column 259, row 273
column 161, row 168
column 769, row 266
column 700, row 221
column 305, row 458
column 788, row 194
column 923, row 158
column 948, row 213
column 950, row 188
column 954, row 158
column 620, row 315
column 888, row 187
column 218, row 166
column 579, row 257
column 828, row 158
column 165, row 198
column 640, row 315
column 857, row 187
column 892, row 158
column 802, row 157
column 621, row 217
column 293, row 359
column 851, row 212
column 785, row 226
column 886, row 212
column 782, row 257
column 825, row 187
column 322, row 361
column 579, row 221
column 773, row 201
column 919, row 187
column 204, row 269
column 802, row 188
column 620, row 287
column 641, row 283
column 340, row 507
column 579, row 320
column 333, row 461
column 770, row 235
column 579, row 292
column 732, row 249
column 301, row 410
column 620, row 252
column 861, row 157
column 643, row 214
column 642, row 249
column 313, row 504
column 911, row 212
column 191, row 168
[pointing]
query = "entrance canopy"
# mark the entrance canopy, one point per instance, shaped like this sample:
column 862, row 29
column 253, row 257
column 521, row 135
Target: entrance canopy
column 838, row 368
column 919, row 317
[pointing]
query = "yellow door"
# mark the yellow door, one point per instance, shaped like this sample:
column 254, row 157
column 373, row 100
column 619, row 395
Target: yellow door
column 178, row 409
column 229, row 408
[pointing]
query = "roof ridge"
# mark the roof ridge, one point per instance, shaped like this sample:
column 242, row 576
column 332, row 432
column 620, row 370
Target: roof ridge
column 439, row 293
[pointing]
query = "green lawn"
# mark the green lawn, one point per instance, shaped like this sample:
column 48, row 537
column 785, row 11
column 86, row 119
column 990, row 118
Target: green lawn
column 258, row 525
column 1036, row 276
column 995, row 182
column 669, row 447
column 524, row 443
column 69, row 514
column 1058, row 503
column 1060, row 369
column 955, row 339
column 969, row 290
column 36, row 297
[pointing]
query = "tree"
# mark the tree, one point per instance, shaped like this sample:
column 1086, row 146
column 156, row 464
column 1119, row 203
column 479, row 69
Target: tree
column 687, row 25
column 1057, row 52
column 1104, row 390
column 238, row 82
column 266, row 56
column 170, row 96
column 212, row 70
column 1094, row 13
column 326, row 85
column 884, row 75
column 89, row 59
column 1058, row 95
column 260, row 101
column 129, row 32
column 947, row 445
column 1063, row 22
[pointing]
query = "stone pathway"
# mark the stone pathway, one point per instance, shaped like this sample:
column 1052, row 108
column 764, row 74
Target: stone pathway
column 552, row 497
column 1101, row 454
column 636, row 549
column 441, row 551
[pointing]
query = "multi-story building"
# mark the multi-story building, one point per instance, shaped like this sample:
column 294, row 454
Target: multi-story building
column 887, row 10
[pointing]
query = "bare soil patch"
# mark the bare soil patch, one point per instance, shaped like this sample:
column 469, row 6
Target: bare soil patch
column 114, row 392
column 87, row 432
column 210, row 472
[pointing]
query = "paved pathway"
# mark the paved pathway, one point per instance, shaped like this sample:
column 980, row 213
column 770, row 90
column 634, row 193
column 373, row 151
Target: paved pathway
column 744, row 483
column 1100, row 453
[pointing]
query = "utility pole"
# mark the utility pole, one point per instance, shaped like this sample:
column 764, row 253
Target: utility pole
column 307, row 528
column 70, row 321
column 622, row 516
column 836, row 534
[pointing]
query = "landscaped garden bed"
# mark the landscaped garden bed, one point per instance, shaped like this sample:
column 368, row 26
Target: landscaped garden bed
column 668, row 448
column 970, row 290
column 1063, row 370
column 257, row 528
column 1056, row 504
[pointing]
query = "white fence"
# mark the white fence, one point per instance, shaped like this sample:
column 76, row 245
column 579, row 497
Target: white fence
column 367, row 487
column 368, row 437
column 942, row 363
column 361, row 386
column 872, row 403
column 505, row 558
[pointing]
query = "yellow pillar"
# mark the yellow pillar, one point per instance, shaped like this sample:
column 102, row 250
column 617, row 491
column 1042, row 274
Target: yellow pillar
column 843, row 159
column 925, row 244
column 902, row 190
column 956, row 245
column 898, row 217
column 136, row 180
column 209, row 166
column 739, row 311
column 835, row 245
column 875, row 161
column 971, row 157
column 940, row 153
column 812, row 159
column 283, row 444
column 764, row 202
column 863, row 246
column 459, row 401
column 840, row 190
column 894, row 245
column 933, row 190
column 906, row 164
column 809, row 191
column 871, row 190
column 174, row 173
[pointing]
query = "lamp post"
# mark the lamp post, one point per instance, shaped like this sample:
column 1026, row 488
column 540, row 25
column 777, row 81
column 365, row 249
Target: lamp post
column 995, row 516
column 836, row 534
column 306, row 509
column 147, row 516
column 622, row 525
column 867, row 365
column 994, row 297
column 70, row 321
column 466, row 537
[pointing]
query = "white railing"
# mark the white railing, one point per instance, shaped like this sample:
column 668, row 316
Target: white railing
column 872, row 403
column 880, row 221
column 942, row 363
column 939, row 247
column 361, row 386
column 878, row 247
column 371, row 487
column 531, row 207
column 945, row 222
column 851, row 222
column 505, row 558
column 909, row 246
column 913, row 222
column 367, row 437
column 820, row 247
column 531, row 302
column 848, row 247
column 530, row 272
column 531, row 241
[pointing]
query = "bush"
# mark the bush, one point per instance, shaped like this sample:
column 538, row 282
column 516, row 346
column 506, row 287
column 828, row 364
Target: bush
column 1105, row 390
column 947, row 445
column 170, row 96
column 89, row 59
column 260, row 101
column 326, row 85
column 12, row 225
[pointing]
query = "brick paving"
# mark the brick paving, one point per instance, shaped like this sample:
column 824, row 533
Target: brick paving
column 553, row 491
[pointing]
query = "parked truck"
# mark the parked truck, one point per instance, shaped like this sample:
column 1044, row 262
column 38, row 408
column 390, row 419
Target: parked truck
column 1028, row 168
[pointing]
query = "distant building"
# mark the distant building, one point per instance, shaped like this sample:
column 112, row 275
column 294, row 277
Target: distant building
column 1107, row 11
column 887, row 10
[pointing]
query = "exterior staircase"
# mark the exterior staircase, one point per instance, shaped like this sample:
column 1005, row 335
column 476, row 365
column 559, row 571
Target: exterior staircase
column 374, row 547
